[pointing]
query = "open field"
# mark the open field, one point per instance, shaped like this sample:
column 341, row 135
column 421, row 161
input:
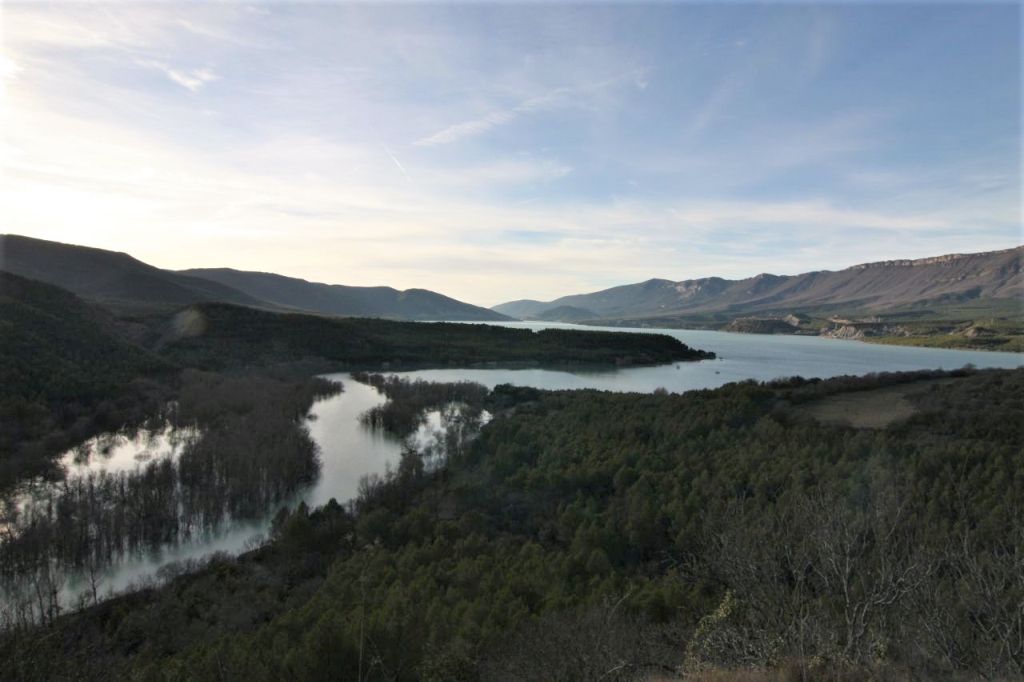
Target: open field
column 1010, row 343
column 872, row 409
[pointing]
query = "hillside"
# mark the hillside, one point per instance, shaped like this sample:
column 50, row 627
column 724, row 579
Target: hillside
column 59, row 360
column 567, row 313
column 336, row 299
column 929, row 284
column 118, row 280
column 57, row 347
column 108, row 276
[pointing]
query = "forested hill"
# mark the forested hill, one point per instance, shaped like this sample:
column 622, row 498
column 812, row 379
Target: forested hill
column 119, row 281
column 108, row 276
column 588, row 535
column 57, row 347
column 225, row 336
column 992, row 278
column 59, row 359
column 336, row 299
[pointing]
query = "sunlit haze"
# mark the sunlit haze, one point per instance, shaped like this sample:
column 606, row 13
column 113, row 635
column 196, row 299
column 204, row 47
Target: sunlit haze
column 496, row 152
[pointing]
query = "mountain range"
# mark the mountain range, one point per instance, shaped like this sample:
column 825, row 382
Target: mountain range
column 117, row 279
column 349, row 301
column 988, row 283
column 990, row 279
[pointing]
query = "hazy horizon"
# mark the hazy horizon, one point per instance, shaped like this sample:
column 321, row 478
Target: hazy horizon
column 496, row 152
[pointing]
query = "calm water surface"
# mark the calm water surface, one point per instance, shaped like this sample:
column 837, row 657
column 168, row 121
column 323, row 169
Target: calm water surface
column 740, row 357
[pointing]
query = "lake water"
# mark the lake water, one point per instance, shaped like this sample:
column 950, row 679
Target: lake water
column 740, row 357
column 350, row 450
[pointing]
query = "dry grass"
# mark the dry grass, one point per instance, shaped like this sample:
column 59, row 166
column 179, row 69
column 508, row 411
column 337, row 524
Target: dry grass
column 788, row 672
column 744, row 676
column 874, row 409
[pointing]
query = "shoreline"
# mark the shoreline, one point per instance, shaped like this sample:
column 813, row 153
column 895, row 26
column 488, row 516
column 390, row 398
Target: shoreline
column 913, row 341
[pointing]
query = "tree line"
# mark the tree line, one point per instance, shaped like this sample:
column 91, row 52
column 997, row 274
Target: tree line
column 235, row 336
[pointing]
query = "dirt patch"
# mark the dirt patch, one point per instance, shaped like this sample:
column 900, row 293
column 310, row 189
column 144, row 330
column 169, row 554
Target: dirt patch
column 874, row 409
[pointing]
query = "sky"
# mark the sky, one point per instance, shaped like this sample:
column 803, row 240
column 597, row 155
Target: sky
column 502, row 151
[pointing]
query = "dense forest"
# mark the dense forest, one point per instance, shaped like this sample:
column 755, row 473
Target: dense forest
column 65, row 374
column 586, row 535
column 219, row 336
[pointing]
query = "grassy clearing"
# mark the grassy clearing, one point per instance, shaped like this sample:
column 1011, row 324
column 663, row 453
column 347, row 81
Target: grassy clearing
column 873, row 409
column 1005, row 343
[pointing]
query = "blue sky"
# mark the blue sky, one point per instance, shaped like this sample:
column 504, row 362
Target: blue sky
column 494, row 152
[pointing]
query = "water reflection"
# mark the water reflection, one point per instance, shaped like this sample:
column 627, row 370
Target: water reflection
column 740, row 357
column 109, row 453
column 348, row 448
column 126, row 450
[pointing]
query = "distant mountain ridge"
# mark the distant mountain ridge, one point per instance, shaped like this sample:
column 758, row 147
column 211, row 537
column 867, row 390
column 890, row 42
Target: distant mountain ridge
column 867, row 288
column 115, row 278
column 108, row 276
column 337, row 299
column 566, row 313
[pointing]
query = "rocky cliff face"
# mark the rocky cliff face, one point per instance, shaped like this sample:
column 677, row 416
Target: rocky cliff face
column 948, row 259
column 862, row 330
column 868, row 288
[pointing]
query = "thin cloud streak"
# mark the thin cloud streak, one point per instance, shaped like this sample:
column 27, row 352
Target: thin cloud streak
column 392, row 156
column 191, row 79
column 555, row 98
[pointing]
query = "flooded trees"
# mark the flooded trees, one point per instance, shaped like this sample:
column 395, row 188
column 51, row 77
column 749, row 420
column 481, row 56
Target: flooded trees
column 410, row 400
column 249, row 451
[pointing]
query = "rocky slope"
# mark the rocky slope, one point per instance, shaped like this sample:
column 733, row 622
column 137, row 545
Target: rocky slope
column 956, row 279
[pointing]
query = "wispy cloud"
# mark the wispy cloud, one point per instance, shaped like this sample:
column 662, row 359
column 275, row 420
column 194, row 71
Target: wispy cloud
column 391, row 155
column 815, row 213
column 190, row 79
column 551, row 99
column 478, row 126
column 9, row 70
column 499, row 173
